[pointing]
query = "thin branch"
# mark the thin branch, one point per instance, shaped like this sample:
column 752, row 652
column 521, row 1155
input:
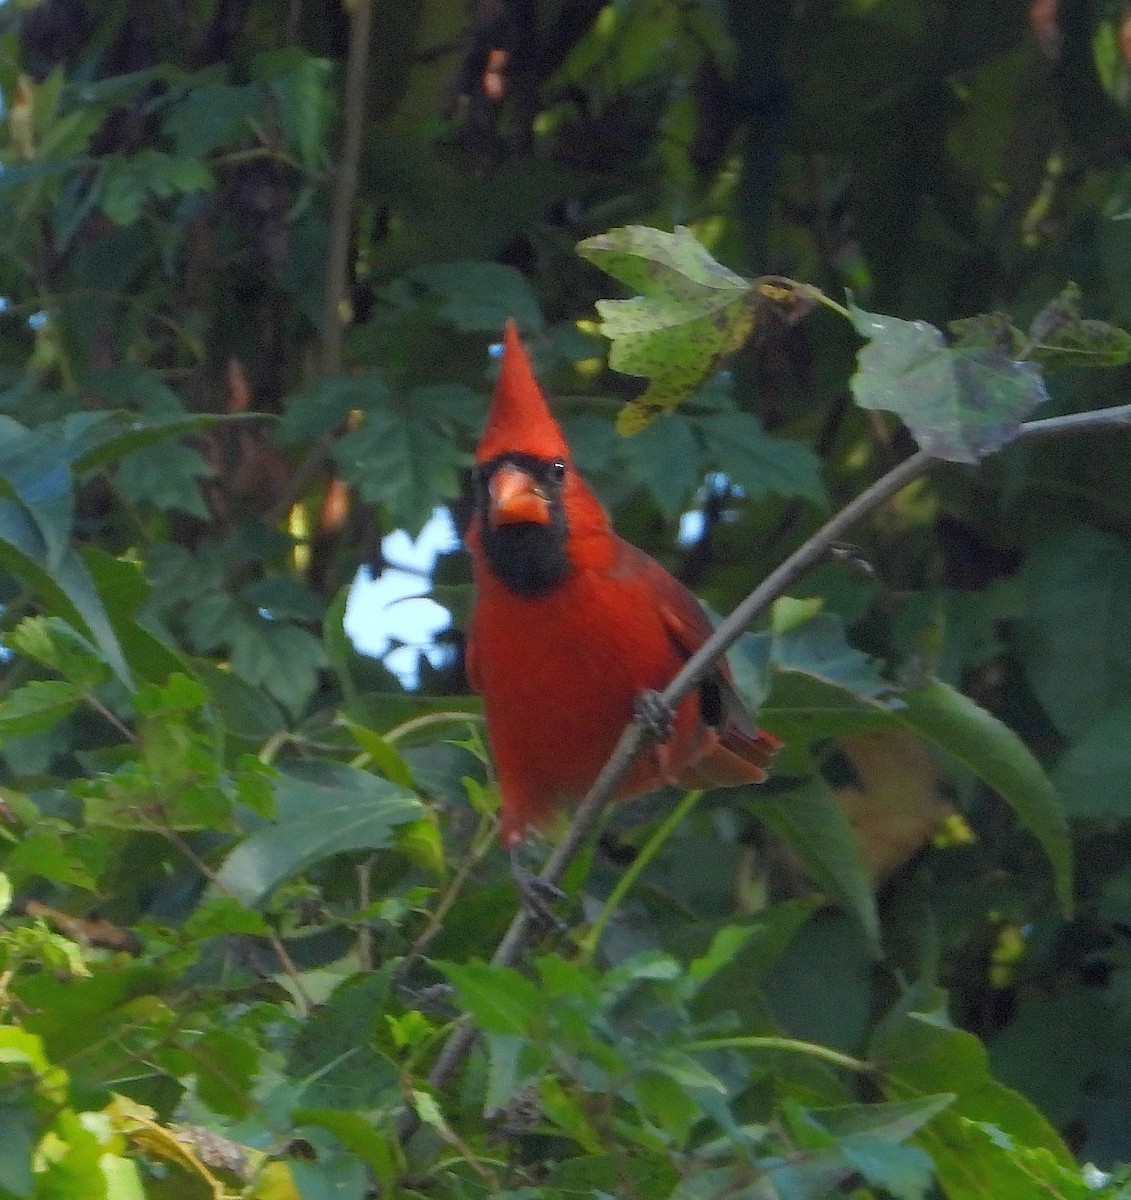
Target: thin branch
column 341, row 239
column 273, row 939
column 345, row 187
column 776, row 584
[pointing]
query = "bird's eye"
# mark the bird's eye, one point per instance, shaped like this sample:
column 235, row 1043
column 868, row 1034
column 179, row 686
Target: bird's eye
column 558, row 470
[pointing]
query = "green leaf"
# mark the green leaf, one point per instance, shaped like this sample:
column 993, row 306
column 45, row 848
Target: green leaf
column 726, row 943
column 226, row 1064
column 218, row 916
column 479, row 297
column 1094, row 776
column 683, row 1069
column 504, row 1051
column 49, row 854
column 961, row 403
column 818, row 648
column 124, row 588
column 322, row 809
column 1086, row 343
column 17, row 1141
column 565, row 1110
column 498, row 999
column 339, row 648
column 123, row 1178
column 737, row 444
column 333, row 1053
column 245, row 711
column 661, row 265
column 999, row 758
column 1056, row 1046
column 382, row 753
column 69, row 591
column 280, row 657
column 1059, row 336
column 127, row 183
column 818, row 684
column 654, row 1175
column 983, row 1162
column 894, row 1121
column 667, row 459
column 206, row 118
column 906, row 1172
column 37, row 468
column 1073, row 639
column 357, row 1134
column 37, row 705
column 811, row 822
column 166, row 477
column 692, row 313
column 402, row 460
column 303, row 100
column 314, row 413
column 921, row 1054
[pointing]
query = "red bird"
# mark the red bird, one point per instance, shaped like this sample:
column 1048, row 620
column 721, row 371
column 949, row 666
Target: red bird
column 572, row 624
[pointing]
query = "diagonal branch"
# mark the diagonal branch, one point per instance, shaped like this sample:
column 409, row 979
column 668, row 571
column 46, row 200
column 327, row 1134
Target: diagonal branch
column 806, row 556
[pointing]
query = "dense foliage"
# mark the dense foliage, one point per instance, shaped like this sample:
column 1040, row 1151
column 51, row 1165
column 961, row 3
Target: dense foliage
column 248, row 881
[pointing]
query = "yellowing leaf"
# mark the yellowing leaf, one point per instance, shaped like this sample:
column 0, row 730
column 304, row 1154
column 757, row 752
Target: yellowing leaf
column 897, row 807
column 274, row 1182
column 693, row 311
column 138, row 1124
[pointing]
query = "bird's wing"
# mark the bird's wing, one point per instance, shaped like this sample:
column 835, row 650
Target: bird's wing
column 743, row 751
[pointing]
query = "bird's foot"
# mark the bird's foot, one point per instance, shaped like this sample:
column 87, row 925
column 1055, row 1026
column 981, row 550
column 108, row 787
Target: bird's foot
column 654, row 714
column 538, row 895
column 434, row 999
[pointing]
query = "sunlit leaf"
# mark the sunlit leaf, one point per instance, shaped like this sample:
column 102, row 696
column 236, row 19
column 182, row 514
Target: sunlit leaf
column 37, row 705
column 499, row 999
column 693, row 312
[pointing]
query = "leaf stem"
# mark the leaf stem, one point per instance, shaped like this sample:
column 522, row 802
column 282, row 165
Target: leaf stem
column 625, row 883
column 448, row 717
column 790, row 1045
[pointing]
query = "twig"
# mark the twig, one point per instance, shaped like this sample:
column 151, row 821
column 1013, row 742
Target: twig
column 341, row 239
column 364, row 873
column 451, row 894
column 808, row 555
column 345, row 186
column 273, row 939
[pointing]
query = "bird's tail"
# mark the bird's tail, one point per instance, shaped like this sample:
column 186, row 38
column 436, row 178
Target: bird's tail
column 732, row 757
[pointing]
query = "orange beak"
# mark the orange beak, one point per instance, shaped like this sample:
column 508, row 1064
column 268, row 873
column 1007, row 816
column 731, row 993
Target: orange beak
column 516, row 498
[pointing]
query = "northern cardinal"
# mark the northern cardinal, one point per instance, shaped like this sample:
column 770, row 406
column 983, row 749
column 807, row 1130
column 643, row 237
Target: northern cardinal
column 572, row 624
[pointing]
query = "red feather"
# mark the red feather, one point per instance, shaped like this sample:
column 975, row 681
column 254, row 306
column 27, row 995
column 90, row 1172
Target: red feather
column 560, row 670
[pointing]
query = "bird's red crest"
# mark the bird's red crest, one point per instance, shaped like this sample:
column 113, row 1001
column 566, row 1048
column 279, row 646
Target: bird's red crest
column 519, row 420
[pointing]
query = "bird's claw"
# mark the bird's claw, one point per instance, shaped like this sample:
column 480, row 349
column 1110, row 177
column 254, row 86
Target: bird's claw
column 538, row 896
column 654, row 714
